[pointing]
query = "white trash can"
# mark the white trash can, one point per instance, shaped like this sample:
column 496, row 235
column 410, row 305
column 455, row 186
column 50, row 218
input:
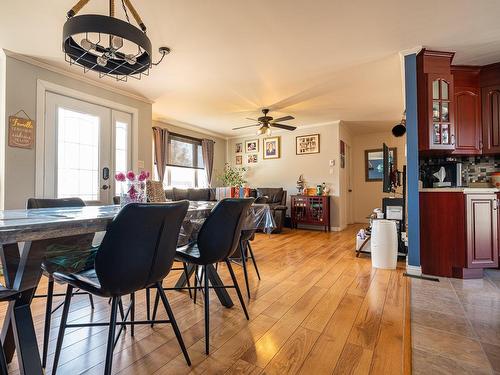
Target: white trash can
column 384, row 244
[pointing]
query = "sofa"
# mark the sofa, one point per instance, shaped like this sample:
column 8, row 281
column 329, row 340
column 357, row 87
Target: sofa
column 276, row 198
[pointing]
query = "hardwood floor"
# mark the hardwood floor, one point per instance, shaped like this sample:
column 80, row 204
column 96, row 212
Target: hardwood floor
column 317, row 310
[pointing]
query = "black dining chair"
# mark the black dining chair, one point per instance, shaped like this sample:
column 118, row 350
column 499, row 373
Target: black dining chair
column 246, row 249
column 217, row 241
column 136, row 252
column 54, row 262
column 5, row 295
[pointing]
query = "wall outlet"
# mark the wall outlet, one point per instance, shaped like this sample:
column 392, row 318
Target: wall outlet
column 332, row 163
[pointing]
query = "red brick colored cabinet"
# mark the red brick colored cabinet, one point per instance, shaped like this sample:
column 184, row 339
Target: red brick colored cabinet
column 482, row 230
column 467, row 110
column 435, row 88
column 491, row 119
column 310, row 210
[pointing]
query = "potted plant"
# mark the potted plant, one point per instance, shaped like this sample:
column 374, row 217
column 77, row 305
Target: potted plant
column 133, row 187
column 232, row 179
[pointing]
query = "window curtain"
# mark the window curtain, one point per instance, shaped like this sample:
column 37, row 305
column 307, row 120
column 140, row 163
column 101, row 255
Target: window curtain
column 160, row 140
column 207, row 149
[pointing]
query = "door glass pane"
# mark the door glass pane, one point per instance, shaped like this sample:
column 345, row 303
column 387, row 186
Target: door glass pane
column 444, row 112
column 435, row 110
column 436, row 136
column 435, row 89
column 77, row 155
column 445, row 134
column 444, row 90
column 121, row 150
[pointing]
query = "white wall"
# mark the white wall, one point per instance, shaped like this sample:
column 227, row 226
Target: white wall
column 21, row 93
column 285, row 171
column 368, row 195
column 219, row 148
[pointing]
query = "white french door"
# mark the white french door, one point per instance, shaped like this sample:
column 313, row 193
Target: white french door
column 84, row 145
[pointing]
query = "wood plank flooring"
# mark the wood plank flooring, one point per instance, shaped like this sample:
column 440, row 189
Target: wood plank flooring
column 317, row 310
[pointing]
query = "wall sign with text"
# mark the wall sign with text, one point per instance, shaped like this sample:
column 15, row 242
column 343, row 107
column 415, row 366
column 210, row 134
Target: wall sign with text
column 21, row 132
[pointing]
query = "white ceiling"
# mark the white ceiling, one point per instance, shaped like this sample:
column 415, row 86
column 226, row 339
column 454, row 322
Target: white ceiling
column 321, row 60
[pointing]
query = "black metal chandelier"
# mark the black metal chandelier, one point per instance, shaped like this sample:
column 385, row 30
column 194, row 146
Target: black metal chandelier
column 108, row 45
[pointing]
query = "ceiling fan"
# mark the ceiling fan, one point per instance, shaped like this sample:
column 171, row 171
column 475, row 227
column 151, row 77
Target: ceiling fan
column 266, row 122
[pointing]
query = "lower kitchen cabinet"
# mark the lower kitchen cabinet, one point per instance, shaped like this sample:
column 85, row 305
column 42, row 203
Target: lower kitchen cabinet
column 458, row 233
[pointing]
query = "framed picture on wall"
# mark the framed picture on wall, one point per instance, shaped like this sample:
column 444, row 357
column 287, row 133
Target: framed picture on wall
column 239, row 159
column 238, row 148
column 271, row 148
column 307, row 144
column 374, row 163
column 252, row 158
column 252, row 146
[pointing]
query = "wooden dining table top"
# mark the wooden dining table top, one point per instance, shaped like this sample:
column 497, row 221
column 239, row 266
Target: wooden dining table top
column 37, row 224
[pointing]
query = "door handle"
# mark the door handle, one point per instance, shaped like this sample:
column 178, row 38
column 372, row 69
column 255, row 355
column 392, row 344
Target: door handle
column 105, row 187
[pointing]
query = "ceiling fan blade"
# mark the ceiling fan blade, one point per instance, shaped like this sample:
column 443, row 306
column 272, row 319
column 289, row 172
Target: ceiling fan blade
column 283, row 126
column 248, row 126
column 251, row 119
column 286, row 118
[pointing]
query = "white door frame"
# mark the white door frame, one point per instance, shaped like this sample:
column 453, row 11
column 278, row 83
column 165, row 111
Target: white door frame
column 45, row 86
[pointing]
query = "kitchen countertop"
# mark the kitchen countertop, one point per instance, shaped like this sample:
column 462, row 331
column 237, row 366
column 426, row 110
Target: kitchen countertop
column 465, row 190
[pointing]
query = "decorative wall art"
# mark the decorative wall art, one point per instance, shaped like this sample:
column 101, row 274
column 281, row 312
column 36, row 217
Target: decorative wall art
column 21, row 131
column 252, row 158
column 252, row 146
column 239, row 159
column 307, row 144
column 238, row 148
column 271, row 148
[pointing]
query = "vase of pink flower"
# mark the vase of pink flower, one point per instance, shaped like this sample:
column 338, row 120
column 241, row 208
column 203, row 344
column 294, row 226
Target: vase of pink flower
column 133, row 187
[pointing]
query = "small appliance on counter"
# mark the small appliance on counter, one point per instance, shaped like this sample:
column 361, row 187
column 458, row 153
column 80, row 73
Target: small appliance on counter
column 442, row 174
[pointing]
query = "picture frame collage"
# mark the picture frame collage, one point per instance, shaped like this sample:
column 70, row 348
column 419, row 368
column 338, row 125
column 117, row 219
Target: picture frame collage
column 248, row 150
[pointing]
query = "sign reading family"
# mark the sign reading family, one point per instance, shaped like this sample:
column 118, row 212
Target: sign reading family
column 21, row 132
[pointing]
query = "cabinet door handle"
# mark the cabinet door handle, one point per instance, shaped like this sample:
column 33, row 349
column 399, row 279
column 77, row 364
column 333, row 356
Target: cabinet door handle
column 453, row 139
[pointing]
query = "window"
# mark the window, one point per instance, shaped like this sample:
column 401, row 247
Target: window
column 185, row 167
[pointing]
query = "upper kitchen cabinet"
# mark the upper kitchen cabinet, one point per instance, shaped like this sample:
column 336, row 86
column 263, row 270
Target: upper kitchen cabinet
column 435, row 91
column 490, row 92
column 467, row 110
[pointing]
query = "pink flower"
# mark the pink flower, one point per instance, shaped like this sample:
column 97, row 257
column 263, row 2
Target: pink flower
column 130, row 175
column 143, row 176
column 120, row 176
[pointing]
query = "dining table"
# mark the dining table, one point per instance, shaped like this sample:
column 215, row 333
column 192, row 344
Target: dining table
column 23, row 248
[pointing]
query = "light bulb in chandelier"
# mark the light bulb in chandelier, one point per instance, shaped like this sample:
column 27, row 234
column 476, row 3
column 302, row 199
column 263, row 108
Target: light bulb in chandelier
column 86, row 44
column 116, row 42
column 130, row 59
column 102, row 60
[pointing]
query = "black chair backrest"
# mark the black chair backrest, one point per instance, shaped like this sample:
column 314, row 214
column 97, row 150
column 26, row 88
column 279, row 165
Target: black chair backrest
column 82, row 240
column 139, row 246
column 219, row 236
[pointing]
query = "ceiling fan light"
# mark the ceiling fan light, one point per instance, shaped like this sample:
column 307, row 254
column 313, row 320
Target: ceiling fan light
column 267, row 131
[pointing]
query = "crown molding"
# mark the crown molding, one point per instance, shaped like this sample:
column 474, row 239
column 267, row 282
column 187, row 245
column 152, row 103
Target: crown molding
column 46, row 66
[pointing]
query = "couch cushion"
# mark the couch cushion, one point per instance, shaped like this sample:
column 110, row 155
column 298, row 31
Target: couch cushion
column 155, row 192
column 169, row 194
column 198, row 194
column 275, row 195
column 180, row 194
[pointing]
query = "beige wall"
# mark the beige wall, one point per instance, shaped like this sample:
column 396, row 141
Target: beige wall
column 219, row 148
column 21, row 93
column 368, row 195
column 285, row 171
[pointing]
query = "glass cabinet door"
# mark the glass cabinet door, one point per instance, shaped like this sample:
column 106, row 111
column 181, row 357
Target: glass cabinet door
column 441, row 126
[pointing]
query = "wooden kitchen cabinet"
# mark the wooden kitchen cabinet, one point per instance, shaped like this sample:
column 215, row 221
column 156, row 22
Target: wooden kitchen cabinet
column 491, row 119
column 467, row 101
column 482, row 230
column 435, row 88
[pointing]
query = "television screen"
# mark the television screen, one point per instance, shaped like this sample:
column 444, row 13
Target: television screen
column 387, row 166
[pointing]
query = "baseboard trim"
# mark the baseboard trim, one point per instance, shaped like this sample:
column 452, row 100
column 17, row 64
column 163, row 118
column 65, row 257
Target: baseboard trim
column 414, row 270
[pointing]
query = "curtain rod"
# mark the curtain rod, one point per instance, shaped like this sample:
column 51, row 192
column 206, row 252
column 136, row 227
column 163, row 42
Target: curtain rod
column 187, row 136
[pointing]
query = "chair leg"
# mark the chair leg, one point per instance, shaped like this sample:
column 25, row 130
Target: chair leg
column 195, row 283
column 48, row 315
column 244, row 263
column 187, row 279
column 122, row 311
column 253, row 259
column 132, row 313
column 91, row 300
column 238, row 291
column 62, row 327
column 148, row 303
column 171, row 317
column 155, row 308
column 3, row 361
column 111, row 335
column 207, row 312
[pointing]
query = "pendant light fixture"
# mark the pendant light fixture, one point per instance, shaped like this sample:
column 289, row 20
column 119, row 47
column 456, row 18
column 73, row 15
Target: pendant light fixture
column 400, row 129
column 108, row 45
